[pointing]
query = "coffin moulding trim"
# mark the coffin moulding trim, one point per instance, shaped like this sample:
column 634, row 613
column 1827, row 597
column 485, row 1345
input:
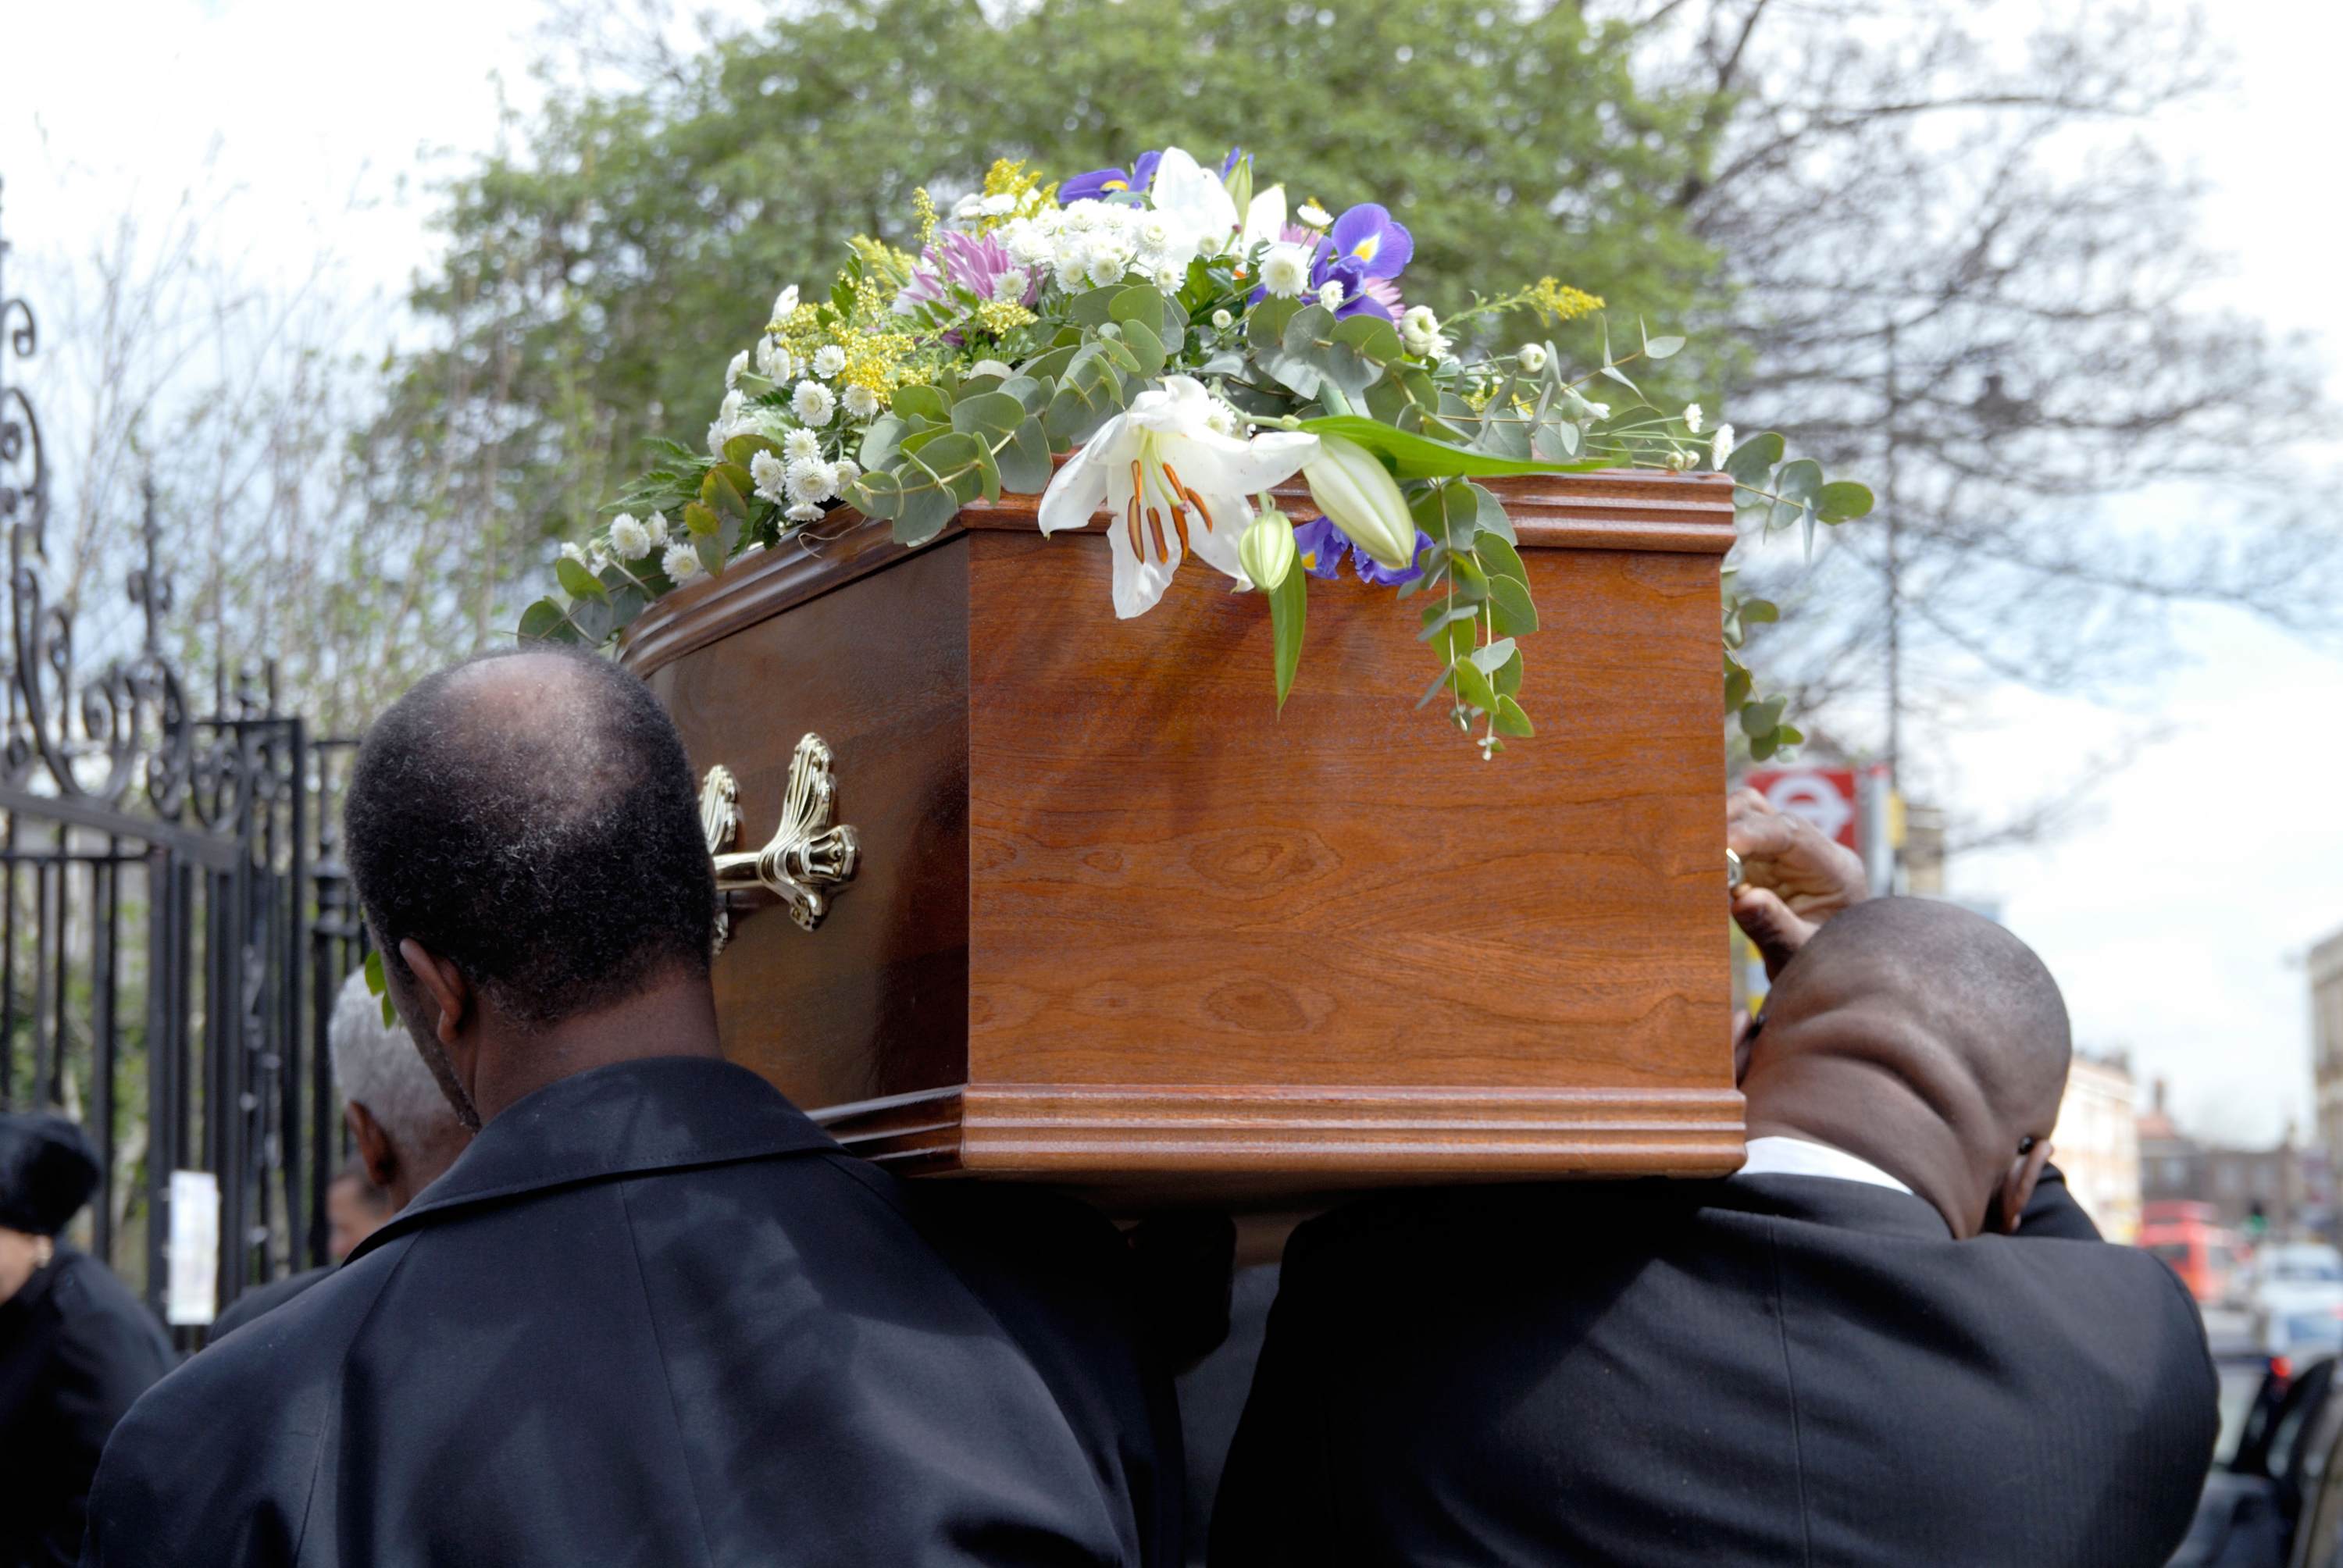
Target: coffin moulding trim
column 1630, row 510
column 1118, row 1131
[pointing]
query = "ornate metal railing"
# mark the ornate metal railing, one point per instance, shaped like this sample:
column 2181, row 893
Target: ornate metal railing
column 174, row 924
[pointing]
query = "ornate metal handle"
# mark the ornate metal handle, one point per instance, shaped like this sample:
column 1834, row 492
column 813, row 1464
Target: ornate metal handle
column 807, row 854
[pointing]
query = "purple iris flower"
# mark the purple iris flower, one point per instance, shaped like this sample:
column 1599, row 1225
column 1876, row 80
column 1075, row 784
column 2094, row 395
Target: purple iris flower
column 1321, row 547
column 1112, row 185
column 1367, row 234
column 1230, row 163
column 1363, row 252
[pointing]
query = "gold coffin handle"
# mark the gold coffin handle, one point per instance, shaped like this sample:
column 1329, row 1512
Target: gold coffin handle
column 808, row 853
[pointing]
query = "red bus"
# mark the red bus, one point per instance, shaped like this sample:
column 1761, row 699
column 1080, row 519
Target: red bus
column 2190, row 1237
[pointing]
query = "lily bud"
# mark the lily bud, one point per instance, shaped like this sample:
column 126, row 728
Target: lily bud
column 1239, row 184
column 1266, row 552
column 1357, row 493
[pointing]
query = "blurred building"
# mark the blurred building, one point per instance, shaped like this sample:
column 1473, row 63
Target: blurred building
column 2286, row 1191
column 2325, row 967
column 2096, row 1143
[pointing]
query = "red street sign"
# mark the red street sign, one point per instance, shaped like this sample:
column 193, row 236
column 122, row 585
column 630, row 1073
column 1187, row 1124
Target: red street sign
column 1823, row 796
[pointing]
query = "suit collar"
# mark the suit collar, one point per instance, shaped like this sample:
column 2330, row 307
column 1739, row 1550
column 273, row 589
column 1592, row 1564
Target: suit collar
column 655, row 1113
column 1829, row 1200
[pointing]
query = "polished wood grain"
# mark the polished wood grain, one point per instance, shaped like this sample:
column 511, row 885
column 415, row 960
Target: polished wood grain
column 1214, row 954
column 889, row 962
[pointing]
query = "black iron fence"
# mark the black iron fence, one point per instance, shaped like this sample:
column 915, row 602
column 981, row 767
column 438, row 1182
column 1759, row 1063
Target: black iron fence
column 174, row 924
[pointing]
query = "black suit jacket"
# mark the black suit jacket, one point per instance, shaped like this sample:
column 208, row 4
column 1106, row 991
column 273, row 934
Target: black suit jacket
column 654, row 1315
column 1772, row 1370
column 76, row 1349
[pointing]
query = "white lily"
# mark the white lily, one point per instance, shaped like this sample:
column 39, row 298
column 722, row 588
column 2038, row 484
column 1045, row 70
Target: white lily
column 1195, row 199
column 1170, row 484
column 1265, row 218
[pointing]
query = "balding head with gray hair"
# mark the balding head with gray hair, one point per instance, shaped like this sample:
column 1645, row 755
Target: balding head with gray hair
column 377, row 1068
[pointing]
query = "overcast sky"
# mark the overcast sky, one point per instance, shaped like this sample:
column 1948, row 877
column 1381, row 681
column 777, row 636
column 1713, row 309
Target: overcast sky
column 2175, row 920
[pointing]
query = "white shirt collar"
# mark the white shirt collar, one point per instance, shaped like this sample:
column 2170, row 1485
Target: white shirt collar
column 1781, row 1156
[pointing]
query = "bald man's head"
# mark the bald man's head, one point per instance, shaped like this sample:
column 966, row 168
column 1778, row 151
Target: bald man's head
column 1907, row 1025
column 529, row 817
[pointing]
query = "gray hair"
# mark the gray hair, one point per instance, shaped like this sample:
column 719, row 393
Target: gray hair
column 379, row 1068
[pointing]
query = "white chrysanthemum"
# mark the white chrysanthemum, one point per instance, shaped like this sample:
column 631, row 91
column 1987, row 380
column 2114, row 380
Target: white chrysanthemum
column 1720, row 446
column 575, row 552
column 814, row 481
column 771, row 474
column 629, row 540
column 732, row 371
column 785, row 304
column 828, row 360
column 655, row 529
column 1330, row 295
column 1168, row 277
column 596, row 559
column 1692, row 418
column 1223, row 321
column 1531, row 357
column 1285, row 270
column 998, row 204
column 813, row 404
column 1108, row 263
column 801, row 447
column 1071, row 258
column 862, row 403
column 1080, row 215
column 1225, row 418
column 843, row 472
column 681, row 563
column 803, row 513
column 1030, row 242
column 1156, row 233
column 774, row 363
column 1315, row 216
column 1010, row 285
column 969, row 206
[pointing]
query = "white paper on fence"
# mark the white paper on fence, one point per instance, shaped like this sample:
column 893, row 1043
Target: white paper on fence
column 193, row 1294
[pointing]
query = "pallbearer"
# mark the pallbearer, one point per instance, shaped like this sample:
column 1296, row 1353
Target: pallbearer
column 1888, row 1340
column 652, row 1315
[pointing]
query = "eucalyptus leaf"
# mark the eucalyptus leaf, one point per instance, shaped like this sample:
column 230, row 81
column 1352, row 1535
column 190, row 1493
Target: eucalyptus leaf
column 924, row 402
column 1844, row 501
column 1754, row 457
column 1139, row 304
column 1491, row 658
column 1473, row 686
column 1025, row 460
column 579, row 583
column 989, row 416
column 1499, row 558
column 539, row 621
column 1508, row 718
column 880, row 441
column 1511, row 610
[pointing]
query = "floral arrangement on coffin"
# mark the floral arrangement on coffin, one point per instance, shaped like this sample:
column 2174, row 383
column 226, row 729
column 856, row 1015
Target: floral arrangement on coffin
column 1191, row 343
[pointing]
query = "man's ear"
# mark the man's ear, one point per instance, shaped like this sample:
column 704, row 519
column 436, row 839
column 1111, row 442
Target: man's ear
column 2017, row 1187
column 375, row 1150
column 444, row 984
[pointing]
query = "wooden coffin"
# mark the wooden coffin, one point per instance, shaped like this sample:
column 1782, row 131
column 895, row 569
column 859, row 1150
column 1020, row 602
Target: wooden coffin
column 1117, row 924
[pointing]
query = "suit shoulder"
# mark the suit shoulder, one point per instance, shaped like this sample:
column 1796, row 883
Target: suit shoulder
column 1467, row 1223
column 97, row 1311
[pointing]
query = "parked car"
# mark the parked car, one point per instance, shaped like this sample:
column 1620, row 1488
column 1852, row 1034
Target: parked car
column 2189, row 1238
column 2295, row 1293
column 2275, row 1449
